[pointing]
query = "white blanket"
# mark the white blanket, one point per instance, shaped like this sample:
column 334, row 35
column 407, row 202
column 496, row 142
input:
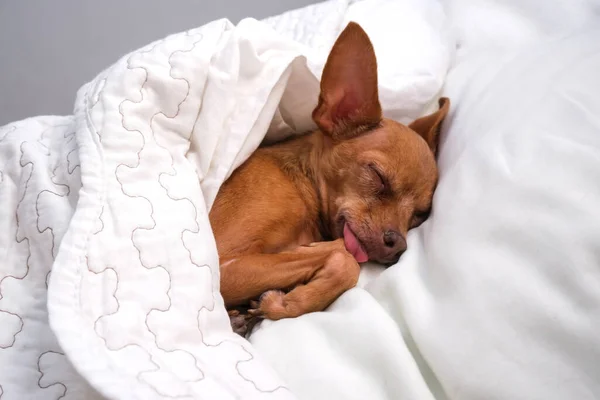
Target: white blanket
column 109, row 279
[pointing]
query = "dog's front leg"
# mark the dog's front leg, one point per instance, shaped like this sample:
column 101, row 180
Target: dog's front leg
column 339, row 273
column 317, row 274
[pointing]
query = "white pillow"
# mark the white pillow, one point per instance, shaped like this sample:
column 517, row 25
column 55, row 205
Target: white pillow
column 411, row 39
column 500, row 289
column 516, row 23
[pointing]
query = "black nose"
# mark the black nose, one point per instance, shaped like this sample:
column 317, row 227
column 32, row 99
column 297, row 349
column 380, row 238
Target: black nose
column 394, row 242
column 391, row 238
column 394, row 245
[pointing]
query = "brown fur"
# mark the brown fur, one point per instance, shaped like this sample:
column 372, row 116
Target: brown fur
column 279, row 219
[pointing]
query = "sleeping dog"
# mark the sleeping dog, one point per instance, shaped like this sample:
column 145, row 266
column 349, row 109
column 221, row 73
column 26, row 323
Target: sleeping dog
column 295, row 220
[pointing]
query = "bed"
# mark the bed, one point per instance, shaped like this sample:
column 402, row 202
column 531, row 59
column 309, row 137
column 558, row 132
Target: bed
column 109, row 279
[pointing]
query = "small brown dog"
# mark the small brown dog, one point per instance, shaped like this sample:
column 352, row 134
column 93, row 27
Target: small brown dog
column 293, row 222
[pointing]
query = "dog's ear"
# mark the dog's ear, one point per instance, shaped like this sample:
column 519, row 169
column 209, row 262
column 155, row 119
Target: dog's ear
column 428, row 127
column 349, row 101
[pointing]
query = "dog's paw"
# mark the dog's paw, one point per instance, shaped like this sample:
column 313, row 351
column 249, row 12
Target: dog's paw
column 270, row 305
column 241, row 323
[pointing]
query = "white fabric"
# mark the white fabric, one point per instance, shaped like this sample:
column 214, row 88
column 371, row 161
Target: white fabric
column 109, row 200
column 502, row 291
column 39, row 185
column 509, row 24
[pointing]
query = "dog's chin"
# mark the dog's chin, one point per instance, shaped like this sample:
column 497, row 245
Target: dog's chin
column 390, row 263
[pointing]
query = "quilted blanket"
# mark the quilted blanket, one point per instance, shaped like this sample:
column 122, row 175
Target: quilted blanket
column 109, row 282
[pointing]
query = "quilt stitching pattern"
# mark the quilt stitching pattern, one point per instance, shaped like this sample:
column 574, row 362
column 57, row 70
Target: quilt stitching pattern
column 119, row 173
column 153, row 225
column 39, row 368
column 39, row 176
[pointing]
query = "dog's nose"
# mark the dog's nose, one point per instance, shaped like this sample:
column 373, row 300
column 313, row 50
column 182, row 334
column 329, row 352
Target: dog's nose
column 394, row 242
column 391, row 239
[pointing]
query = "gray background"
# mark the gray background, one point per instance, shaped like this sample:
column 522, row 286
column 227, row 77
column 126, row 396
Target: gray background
column 49, row 48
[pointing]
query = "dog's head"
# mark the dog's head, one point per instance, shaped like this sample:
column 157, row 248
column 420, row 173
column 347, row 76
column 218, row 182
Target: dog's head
column 378, row 175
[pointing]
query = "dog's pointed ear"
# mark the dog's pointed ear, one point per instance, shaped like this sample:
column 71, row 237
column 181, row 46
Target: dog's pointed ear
column 349, row 99
column 428, row 127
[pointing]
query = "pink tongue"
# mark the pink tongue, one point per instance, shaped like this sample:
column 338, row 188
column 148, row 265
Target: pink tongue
column 353, row 245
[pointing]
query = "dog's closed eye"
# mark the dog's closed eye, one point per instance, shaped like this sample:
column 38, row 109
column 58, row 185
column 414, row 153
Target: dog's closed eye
column 380, row 180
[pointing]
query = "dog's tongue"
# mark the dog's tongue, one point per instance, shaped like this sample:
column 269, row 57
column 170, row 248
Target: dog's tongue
column 353, row 245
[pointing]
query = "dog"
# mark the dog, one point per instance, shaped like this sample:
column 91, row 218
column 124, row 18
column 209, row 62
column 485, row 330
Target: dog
column 295, row 220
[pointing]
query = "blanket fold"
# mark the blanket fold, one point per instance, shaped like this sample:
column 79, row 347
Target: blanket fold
column 140, row 237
